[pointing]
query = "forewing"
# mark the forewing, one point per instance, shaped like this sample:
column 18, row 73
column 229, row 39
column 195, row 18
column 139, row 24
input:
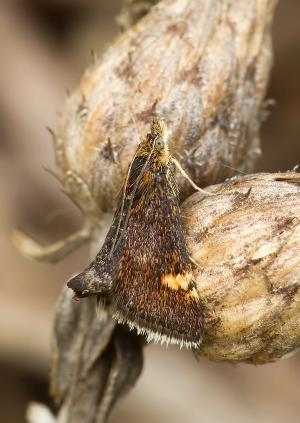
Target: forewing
column 97, row 278
column 153, row 289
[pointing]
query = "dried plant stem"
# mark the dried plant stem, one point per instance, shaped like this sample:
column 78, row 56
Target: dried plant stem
column 202, row 66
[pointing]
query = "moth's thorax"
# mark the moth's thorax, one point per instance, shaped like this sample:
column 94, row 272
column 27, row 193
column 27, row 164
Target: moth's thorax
column 161, row 160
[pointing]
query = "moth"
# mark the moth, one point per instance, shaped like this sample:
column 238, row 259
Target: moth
column 143, row 271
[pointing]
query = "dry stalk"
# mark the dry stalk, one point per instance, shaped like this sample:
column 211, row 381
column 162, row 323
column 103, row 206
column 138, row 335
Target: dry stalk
column 203, row 67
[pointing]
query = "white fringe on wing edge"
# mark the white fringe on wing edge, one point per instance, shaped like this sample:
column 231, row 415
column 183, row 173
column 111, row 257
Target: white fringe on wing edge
column 155, row 337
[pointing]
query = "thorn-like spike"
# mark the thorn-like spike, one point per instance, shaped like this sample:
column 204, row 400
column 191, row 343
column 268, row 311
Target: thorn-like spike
column 52, row 173
column 51, row 132
column 94, row 56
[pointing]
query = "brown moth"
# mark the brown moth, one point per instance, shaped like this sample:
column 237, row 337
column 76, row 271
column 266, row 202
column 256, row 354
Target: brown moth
column 143, row 271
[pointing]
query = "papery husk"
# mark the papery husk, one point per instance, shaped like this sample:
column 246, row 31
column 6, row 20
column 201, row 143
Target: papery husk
column 246, row 243
column 202, row 66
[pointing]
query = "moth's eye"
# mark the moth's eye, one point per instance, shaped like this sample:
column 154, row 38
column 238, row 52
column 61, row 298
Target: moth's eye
column 160, row 143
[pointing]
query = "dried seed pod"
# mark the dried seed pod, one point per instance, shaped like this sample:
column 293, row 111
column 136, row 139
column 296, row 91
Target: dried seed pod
column 202, row 66
column 246, row 241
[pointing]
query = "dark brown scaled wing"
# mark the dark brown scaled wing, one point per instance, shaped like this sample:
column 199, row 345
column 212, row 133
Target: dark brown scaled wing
column 97, row 278
column 153, row 290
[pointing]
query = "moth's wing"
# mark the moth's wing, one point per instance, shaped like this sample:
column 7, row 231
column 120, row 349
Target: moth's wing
column 97, row 278
column 90, row 282
column 153, row 289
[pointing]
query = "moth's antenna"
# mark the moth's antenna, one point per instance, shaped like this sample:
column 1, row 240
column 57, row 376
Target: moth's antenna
column 233, row 168
column 116, row 242
column 186, row 176
column 139, row 137
column 124, row 190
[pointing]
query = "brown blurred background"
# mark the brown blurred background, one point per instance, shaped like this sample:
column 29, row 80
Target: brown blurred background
column 45, row 45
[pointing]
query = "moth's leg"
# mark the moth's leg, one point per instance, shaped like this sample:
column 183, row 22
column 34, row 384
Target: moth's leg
column 54, row 252
column 194, row 261
column 185, row 175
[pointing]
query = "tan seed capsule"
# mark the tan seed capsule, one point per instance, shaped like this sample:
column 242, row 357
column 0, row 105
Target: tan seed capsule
column 246, row 241
column 201, row 66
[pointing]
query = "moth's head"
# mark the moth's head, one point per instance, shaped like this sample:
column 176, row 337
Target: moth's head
column 158, row 137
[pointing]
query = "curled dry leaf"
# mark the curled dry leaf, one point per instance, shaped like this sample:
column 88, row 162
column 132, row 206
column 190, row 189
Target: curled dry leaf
column 202, row 66
column 246, row 241
column 93, row 362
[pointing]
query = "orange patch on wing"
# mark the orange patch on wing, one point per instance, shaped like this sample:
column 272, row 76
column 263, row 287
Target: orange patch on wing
column 177, row 281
